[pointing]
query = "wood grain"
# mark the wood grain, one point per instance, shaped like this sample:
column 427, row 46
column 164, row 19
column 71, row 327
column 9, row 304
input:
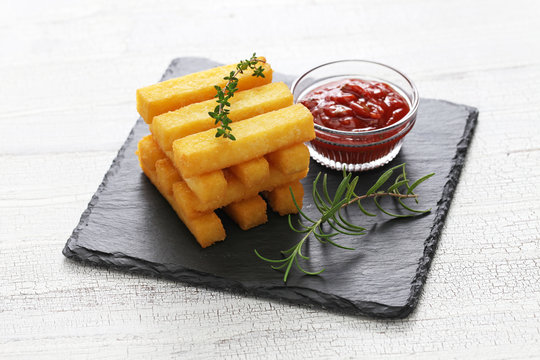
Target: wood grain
column 68, row 74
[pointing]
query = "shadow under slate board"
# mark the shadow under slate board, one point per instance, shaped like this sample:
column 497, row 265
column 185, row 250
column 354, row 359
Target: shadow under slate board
column 129, row 226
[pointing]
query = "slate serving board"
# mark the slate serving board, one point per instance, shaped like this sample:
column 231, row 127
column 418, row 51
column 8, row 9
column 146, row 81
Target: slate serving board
column 128, row 225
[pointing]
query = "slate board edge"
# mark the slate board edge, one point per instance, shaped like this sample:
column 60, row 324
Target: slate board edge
column 430, row 244
column 190, row 277
column 79, row 253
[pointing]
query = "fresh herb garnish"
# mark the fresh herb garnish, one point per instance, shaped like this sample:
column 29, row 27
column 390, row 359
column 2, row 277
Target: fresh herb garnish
column 221, row 112
column 330, row 209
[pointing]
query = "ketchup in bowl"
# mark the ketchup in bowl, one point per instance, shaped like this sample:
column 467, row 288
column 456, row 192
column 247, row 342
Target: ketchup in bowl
column 360, row 120
column 355, row 105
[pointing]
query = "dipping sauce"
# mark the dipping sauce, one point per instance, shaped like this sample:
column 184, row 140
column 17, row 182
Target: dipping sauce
column 355, row 105
column 368, row 111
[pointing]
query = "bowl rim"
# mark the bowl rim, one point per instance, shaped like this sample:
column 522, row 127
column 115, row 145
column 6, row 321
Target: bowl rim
column 412, row 111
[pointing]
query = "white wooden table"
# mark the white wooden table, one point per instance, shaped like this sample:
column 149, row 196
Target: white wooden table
column 68, row 74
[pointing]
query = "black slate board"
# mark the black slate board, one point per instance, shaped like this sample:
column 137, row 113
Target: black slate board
column 129, row 226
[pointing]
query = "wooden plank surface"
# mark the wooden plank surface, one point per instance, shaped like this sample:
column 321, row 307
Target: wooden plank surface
column 68, row 74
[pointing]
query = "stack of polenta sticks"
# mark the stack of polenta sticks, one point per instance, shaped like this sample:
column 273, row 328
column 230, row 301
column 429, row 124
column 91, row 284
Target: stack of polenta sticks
column 198, row 173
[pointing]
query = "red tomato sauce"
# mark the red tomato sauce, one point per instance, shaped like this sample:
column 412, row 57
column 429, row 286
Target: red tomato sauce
column 356, row 105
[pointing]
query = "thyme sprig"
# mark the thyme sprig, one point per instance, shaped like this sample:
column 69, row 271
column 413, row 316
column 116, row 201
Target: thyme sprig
column 221, row 112
column 330, row 209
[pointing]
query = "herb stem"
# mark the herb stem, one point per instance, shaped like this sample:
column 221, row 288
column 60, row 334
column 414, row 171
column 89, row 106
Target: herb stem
column 395, row 195
column 233, row 76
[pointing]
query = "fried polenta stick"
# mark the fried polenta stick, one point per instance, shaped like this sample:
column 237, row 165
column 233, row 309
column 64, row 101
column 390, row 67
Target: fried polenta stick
column 175, row 93
column 202, row 152
column 194, row 118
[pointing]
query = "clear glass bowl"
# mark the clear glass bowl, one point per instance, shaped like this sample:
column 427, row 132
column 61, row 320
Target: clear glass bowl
column 364, row 150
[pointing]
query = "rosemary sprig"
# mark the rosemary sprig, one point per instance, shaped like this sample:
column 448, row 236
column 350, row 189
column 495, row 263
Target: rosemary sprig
column 221, row 112
column 330, row 210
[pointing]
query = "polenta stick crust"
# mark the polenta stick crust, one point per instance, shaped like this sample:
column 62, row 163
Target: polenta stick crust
column 252, row 172
column 208, row 186
column 149, row 153
column 291, row 159
column 194, row 118
column 175, row 93
column 201, row 153
column 280, row 199
column 248, row 213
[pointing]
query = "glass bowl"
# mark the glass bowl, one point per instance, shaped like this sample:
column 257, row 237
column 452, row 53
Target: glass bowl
column 358, row 150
